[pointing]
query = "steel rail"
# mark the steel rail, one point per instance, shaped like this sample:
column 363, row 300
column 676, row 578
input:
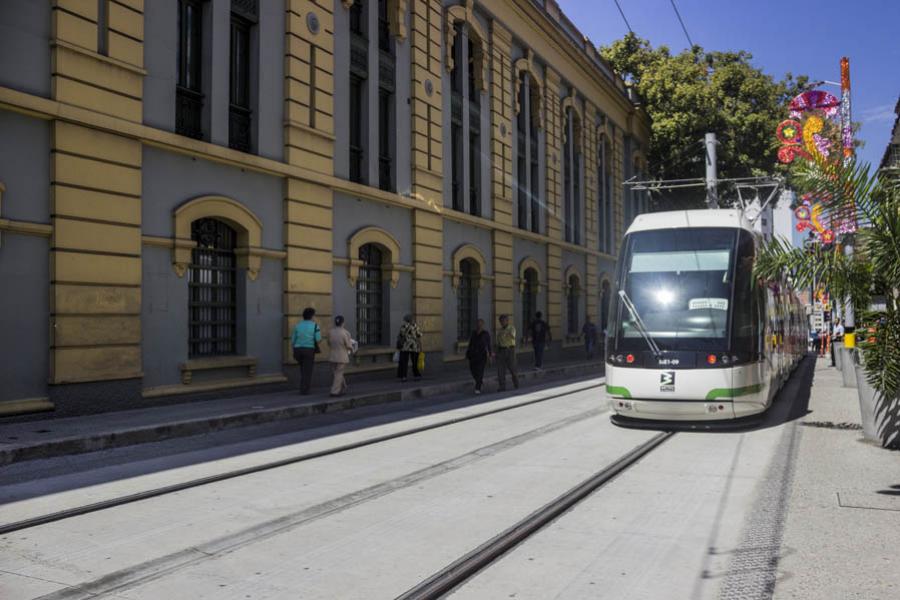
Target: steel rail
column 470, row 564
column 192, row 483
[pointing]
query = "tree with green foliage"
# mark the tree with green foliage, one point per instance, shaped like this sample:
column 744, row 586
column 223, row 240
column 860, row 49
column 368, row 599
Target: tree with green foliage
column 695, row 92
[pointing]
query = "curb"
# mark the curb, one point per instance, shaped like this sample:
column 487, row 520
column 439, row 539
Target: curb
column 245, row 418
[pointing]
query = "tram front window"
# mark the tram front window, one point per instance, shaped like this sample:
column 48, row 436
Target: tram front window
column 680, row 281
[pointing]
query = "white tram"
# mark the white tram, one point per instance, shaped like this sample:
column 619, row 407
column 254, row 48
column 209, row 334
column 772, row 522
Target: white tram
column 692, row 335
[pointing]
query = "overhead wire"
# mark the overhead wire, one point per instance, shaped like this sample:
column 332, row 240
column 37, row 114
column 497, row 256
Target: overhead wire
column 621, row 12
column 680, row 20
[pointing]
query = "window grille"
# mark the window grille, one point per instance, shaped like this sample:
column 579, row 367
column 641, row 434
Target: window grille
column 467, row 299
column 189, row 89
column 604, row 306
column 572, row 302
column 357, row 108
column 370, row 297
column 212, row 301
column 529, row 300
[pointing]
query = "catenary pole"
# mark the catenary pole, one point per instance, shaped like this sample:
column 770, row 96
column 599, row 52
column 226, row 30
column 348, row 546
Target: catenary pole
column 712, row 200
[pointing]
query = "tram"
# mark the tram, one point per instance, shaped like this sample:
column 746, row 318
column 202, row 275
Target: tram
column 693, row 336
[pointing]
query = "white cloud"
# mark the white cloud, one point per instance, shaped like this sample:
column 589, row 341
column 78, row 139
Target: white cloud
column 878, row 114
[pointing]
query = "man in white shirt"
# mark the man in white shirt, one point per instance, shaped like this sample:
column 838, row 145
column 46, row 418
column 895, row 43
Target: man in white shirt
column 837, row 335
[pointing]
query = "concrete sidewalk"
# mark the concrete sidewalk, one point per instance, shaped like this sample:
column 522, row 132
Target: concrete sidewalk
column 43, row 438
column 843, row 520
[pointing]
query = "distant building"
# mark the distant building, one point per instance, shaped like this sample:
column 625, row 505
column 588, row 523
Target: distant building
column 890, row 163
column 777, row 219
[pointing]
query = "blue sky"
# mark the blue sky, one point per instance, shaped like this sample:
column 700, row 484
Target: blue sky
column 801, row 37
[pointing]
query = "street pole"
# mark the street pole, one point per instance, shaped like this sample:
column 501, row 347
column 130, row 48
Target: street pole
column 711, row 176
column 847, row 147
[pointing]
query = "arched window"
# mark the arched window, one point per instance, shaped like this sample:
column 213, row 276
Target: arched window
column 572, row 175
column 212, row 299
column 467, row 298
column 465, row 118
column 370, row 294
column 528, row 153
column 529, row 299
column 572, row 303
column 604, row 179
column 604, row 305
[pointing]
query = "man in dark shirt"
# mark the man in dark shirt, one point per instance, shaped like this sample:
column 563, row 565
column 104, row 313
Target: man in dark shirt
column 540, row 337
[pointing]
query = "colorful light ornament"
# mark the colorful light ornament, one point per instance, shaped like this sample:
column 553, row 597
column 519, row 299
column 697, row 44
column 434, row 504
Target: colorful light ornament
column 814, row 100
column 809, row 216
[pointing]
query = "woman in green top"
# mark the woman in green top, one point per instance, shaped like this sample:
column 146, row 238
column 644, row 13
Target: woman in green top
column 409, row 343
column 304, row 341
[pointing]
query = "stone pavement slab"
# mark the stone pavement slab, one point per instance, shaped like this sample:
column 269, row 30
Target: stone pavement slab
column 843, row 522
column 43, row 438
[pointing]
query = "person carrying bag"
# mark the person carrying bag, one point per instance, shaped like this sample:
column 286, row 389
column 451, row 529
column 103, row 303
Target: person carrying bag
column 305, row 343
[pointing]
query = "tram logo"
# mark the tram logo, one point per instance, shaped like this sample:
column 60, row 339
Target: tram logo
column 667, row 381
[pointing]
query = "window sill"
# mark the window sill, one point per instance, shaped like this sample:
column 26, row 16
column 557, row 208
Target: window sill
column 217, row 362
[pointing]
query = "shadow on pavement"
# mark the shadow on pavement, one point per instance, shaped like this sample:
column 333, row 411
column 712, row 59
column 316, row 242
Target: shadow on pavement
column 31, row 479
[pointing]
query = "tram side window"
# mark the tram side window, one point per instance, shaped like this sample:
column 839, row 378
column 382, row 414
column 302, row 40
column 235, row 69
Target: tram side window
column 745, row 326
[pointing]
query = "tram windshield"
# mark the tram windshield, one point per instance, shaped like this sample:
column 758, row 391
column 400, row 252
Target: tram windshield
column 680, row 282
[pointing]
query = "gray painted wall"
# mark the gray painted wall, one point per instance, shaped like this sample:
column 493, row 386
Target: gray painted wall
column 164, row 318
column 25, row 46
column 459, row 234
column 352, row 214
column 170, row 180
column 161, row 63
column 25, row 167
column 24, row 317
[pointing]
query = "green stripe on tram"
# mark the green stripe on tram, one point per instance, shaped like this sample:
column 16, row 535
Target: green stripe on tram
column 733, row 392
column 618, row 391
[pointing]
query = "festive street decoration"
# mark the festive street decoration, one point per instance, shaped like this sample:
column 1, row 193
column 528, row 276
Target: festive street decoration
column 813, row 100
column 790, row 134
column 809, row 216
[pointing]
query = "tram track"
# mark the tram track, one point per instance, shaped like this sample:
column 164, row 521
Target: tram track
column 464, row 568
column 29, row 523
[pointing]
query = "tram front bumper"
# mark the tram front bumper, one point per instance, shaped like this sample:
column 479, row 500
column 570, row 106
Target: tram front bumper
column 673, row 410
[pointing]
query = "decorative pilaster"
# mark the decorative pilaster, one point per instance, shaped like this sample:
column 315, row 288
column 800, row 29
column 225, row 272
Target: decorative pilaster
column 95, row 258
column 309, row 143
column 553, row 120
column 501, row 123
column 503, row 278
column 427, row 170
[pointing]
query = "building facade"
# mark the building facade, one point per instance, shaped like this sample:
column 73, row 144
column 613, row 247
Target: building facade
column 179, row 179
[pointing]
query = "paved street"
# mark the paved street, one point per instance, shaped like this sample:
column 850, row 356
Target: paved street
column 704, row 515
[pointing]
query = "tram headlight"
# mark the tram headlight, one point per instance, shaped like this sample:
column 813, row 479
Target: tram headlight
column 725, row 360
column 619, row 358
column 711, row 359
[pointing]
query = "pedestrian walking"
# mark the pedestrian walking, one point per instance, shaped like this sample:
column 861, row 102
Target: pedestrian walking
column 506, row 353
column 589, row 331
column 540, row 337
column 478, row 352
column 837, row 335
column 305, row 343
column 340, row 346
column 409, row 343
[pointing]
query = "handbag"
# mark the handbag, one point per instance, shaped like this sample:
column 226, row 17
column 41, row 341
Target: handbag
column 316, row 342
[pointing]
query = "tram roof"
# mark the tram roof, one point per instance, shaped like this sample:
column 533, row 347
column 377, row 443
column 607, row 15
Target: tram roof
column 688, row 219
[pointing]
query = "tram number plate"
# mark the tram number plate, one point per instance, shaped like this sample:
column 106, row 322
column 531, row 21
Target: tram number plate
column 667, row 381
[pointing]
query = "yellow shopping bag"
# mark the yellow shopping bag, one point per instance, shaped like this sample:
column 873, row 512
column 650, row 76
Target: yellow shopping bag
column 420, row 362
